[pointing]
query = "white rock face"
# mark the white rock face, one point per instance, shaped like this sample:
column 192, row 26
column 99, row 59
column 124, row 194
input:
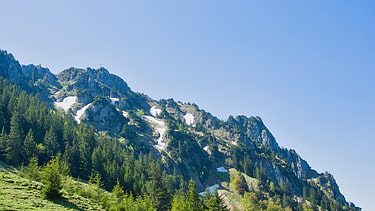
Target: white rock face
column 210, row 190
column 161, row 128
column 222, row 169
column 155, row 111
column 125, row 114
column 66, row 103
column 114, row 100
column 189, row 119
column 206, row 148
column 80, row 112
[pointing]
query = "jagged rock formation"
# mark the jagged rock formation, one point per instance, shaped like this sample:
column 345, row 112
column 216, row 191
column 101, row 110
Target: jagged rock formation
column 34, row 79
column 89, row 83
column 104, row 116
column 11, row 70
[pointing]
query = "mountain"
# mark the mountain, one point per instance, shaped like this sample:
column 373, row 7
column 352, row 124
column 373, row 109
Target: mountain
column 238, row 156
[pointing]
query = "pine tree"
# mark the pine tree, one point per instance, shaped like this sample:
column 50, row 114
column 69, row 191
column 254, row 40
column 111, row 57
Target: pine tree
column 30, row 144
column 304, row 193
column 118, row 191
column 32, row 170
column 324, row 203
column 179, row 203
column 3, row 143
column 313, row 196
column 95, row 181
column 157, row 189
column 15, row 150
column 52, row 178
column 51, row 143
column 73, row 157
column 193, row 198
column 215, row 202
column 286, row 200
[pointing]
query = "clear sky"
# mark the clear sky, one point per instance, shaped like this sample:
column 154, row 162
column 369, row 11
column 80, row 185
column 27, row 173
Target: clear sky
column 306, row 67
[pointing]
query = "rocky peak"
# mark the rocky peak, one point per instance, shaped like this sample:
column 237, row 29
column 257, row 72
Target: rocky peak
column 328, row 185
column 89, row 83
column 255, row 129
column 93, row 78
column 37, row 72
column 11, row 69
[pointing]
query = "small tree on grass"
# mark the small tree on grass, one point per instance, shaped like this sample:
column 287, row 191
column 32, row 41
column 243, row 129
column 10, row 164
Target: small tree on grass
column 118, row 191
column 95, row 181
column 31, row 171
column 52, row 178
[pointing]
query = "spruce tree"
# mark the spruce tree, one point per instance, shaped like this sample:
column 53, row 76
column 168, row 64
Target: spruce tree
column 157, row 188
column 14, row 147
column 32, row 170
column 51, row 143
column 215, row 202
column 3, row 144
column 52, row 179
column 193, row 198
column 179, row 203
column 30, row 144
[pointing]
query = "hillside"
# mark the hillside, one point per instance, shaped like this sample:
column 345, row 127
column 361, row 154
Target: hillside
column 17, row 193
column 167, row 150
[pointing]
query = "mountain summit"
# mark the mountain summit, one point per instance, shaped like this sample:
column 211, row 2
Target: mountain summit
column 239, row 157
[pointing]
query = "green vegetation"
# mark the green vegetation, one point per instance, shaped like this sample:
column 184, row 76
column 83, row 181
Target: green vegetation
column 18, row 193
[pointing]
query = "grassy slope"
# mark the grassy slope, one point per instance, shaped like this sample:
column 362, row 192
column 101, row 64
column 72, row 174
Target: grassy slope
column 17, row 193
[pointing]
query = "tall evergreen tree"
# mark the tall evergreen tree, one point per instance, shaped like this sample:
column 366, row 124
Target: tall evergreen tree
column 51, row 142
column 215, row 202
column 180, row 203
column 193, row 198
column 157, row 189
column 30, row 144
column 73, row 157
column 14, row 147
column 3, row 143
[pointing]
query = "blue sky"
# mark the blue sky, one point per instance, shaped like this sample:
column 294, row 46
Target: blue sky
column 306, row 67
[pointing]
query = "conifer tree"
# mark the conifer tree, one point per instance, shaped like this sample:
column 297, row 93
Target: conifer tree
column 250, row 202
column 157, row 189
column 118, row 191
column 286, row 200
column 72, row 156
column 32, row 170
column 215, row 202
column 15, row 151
column 179, row 203
column 3, row 143
column 193, row 198
column 51, row 143
column 52, row 178
column 30, row 144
